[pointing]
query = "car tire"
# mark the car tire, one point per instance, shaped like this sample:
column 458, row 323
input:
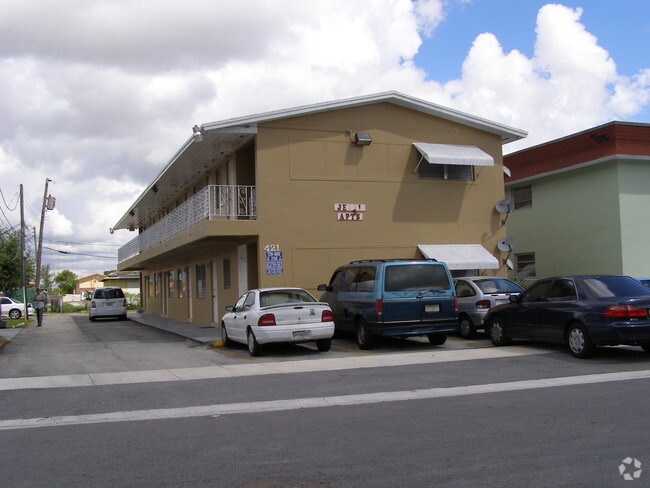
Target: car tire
column 123, row 317
column 254, row 348
column 227, row 342
column 497, row 332
column 365, row 339
column 467, row 329
column 646, row 347
column 437, row 339
column 579, row 342
column 324, row 345
column 92, row 319
column 14, row 313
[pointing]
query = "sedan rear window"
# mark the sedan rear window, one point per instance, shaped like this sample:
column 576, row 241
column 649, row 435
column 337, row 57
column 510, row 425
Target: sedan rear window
column 614, row 286
column 405, row 277
column 279, row 297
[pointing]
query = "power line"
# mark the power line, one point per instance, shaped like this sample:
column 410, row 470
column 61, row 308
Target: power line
column 79, row 253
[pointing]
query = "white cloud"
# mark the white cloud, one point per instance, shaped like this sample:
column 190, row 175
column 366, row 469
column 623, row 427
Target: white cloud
column 99, row 95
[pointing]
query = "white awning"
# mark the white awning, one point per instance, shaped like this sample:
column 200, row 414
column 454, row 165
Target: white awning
column 451, row 154
column 460, row 256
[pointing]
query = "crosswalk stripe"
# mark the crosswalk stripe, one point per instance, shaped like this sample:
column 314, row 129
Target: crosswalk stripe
column 317, row 402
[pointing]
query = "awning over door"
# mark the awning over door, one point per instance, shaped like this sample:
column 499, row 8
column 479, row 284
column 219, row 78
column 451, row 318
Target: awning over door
column 452, row 154
column 460, row 256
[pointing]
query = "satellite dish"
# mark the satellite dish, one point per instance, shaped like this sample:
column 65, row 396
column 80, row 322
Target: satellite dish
column 506, row 245
column 504, row 206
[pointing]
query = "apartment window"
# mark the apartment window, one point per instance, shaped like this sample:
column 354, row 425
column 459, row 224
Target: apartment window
column 156, row 283
column 525, row 265
column 446, row 171
column 182, row 282
column 171, row 283
column 150, row 286
column 522, row 197
column 201, row 280
column 227, row 280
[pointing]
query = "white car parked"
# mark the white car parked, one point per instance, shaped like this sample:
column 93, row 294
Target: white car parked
column 13, row 309
column 268, row 315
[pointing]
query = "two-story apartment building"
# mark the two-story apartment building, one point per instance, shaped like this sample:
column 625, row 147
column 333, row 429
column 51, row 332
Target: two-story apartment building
column 582, row 203
column 283, row 198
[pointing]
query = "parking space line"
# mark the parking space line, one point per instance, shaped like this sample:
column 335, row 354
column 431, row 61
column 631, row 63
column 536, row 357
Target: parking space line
column 473, row 344
column 352, row 350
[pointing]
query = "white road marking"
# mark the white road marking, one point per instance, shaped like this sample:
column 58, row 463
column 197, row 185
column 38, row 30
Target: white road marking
column 317, row 402
column 239, row 370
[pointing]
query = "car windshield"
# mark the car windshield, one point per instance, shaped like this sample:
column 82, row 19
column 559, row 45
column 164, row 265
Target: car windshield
column 280, row 297
column 498, row 286
column 416, row 277
column 614, row 286
column 109, row 293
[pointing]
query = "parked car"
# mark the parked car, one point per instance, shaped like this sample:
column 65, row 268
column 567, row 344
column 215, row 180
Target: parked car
column 14, row 309
column 645, row 282
column 108, row 301
column 394, row 298
column 267, row 315
column 476, row 295
column 580, row 311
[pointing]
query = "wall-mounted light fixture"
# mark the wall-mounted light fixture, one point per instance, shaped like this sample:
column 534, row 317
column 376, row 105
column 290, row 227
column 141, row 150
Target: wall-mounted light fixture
column 197, row 135
column 154, row 189
column 131, row 213
column 362, row 139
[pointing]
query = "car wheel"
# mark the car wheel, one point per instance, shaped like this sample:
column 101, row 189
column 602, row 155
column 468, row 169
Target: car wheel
column 227, row 342
column 365, row 339
column 324, row 345
column 646, row 347
column 437, row 339
column 254, row 348
column 123, row 317
column 579, row 341
column 92, row 319
column 498, row 334
column 14, row 313
column 467, row 329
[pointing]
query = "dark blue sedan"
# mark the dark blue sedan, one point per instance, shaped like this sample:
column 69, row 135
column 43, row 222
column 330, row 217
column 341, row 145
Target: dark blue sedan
column 580, row 311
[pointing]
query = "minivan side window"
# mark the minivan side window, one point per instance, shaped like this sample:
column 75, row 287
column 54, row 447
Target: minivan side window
column 366, row 279
column 348, row 279
column 416, row 277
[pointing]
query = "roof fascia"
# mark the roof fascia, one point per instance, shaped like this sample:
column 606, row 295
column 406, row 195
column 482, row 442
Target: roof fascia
column 620, row 157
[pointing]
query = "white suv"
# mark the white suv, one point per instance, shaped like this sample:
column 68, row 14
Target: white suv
column 107, row 302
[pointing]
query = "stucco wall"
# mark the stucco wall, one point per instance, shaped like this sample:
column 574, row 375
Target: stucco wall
column 633, row 183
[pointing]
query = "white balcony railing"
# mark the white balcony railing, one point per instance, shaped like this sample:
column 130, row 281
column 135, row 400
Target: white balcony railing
column 213, row 202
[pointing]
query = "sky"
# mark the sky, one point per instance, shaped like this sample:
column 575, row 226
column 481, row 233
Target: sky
column 98, row 95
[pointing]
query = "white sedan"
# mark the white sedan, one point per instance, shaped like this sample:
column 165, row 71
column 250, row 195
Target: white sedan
column 13, row 309
column 268, row 315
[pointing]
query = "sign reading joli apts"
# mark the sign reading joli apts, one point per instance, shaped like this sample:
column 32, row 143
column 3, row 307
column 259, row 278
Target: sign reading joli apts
column 349, row 211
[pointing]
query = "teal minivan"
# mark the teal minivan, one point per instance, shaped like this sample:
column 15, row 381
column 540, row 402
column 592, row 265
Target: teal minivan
column 393, row 298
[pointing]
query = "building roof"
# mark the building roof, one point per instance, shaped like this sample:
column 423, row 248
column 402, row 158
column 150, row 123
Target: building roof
column 189, row 162
column 613, row 140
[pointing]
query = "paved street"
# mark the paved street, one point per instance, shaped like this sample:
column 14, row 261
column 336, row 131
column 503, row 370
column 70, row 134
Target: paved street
column 124, row 404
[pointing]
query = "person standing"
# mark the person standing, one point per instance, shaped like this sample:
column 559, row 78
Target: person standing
column 39, row 305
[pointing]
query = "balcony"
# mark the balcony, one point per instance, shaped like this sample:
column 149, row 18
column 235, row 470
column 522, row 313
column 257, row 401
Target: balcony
column 214, row 202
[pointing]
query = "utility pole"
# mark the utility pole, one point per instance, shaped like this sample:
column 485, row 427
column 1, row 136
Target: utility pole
column 22, row 251
column 48, row 204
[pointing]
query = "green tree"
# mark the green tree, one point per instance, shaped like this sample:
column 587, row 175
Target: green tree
column 47, row 277
column 65, row 281
column 11, row 269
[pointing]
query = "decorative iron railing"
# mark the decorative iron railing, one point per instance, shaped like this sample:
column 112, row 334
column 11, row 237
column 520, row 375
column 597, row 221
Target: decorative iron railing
column 213, row 202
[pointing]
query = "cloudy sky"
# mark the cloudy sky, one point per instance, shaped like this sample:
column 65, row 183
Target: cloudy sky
column 97, row 95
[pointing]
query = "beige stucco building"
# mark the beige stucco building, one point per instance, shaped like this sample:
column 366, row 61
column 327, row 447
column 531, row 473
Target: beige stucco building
column 283, row 198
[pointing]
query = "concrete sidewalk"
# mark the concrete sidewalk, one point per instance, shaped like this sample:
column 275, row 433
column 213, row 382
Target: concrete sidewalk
column 193, row 332
column 197, row 333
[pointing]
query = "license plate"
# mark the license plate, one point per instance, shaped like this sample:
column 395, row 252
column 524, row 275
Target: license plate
column 109, row 304
column 432, row 308
column 301, row 334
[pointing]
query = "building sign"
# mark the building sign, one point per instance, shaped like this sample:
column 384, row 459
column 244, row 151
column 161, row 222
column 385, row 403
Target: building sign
column 349, row 211
column 273, row 262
